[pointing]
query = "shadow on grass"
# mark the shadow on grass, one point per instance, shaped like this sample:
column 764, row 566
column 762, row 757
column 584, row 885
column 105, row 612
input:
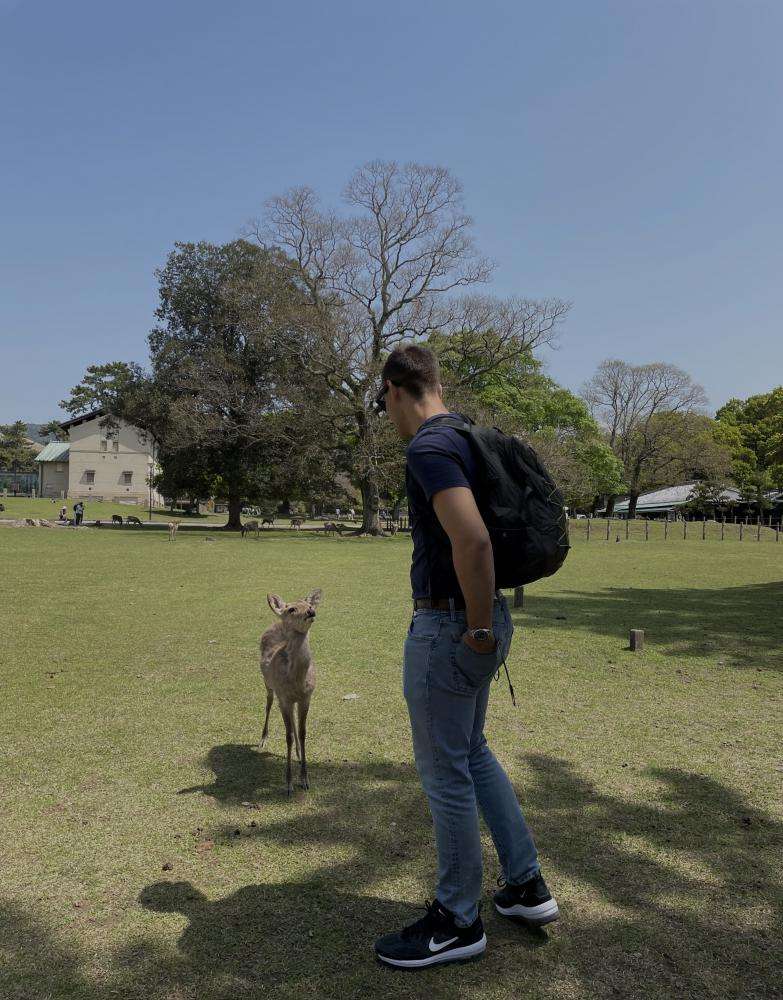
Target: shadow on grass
column 742, row 622
column 673, row 896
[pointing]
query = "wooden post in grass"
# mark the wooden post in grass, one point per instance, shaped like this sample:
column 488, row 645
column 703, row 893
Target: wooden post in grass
column 666, row 528
column 741, row 527
column 758, row 530
column 637, row 640
column 684, row 528
column 722, row 528
column 519, row 597
column 588, row 528
column 704, row 530
column 607, row 529
column 627, row 527
column 646, row 530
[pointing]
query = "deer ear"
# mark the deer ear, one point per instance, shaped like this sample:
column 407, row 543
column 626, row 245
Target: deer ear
column 314, row 597
column 277, row 604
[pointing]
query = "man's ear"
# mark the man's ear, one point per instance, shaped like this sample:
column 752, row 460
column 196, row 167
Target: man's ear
column 277, row 604
column 314, row 598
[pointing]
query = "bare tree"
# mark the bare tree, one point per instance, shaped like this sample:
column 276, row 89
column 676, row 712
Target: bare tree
column 392, row 270
column 636, row 405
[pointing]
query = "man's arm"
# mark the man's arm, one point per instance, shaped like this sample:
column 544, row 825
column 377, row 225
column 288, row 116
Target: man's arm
column 471, row 549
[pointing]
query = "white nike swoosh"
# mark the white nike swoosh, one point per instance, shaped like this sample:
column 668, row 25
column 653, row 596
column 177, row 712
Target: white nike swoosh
column 441, row 944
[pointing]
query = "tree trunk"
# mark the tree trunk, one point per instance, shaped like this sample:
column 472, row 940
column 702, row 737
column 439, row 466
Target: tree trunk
column 371, row 524
column 234, row 522
column 610, row 504
column 632, row 501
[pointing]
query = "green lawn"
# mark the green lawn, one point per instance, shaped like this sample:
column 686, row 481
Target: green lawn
column 148, row 849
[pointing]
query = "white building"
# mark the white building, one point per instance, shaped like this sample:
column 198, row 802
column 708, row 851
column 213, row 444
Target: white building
column 99, row 461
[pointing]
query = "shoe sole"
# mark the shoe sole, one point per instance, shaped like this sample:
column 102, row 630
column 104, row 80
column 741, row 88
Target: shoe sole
column 463, row 954
column 539, row 915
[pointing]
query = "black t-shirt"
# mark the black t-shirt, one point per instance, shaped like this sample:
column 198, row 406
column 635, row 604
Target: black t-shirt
column 437, row 458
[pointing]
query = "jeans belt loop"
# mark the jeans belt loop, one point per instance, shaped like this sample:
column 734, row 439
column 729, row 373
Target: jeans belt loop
column 452, row 615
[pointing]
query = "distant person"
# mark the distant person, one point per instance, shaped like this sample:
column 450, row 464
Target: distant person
column 78, row 513
column 337, row 512
column 352, row 514
column 63, row 515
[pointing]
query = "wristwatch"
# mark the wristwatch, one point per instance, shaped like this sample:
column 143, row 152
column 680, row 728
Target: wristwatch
column 480, row 634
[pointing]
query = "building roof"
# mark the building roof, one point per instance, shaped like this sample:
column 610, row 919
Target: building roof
column 667, row 499
column 65, row 424
column 55, row 451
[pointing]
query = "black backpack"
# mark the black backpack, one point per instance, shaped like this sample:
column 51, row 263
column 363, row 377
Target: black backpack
column 519, row 502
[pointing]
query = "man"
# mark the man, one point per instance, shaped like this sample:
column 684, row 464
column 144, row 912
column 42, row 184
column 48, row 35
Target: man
column 78, row 513
column 459, row 635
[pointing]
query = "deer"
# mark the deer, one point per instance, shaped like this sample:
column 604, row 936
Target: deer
column 268, row 520
column 130, row 519
column 173, row 526
column 297, row 522
column 116, row 519
column 249, row 526
column 289, row 673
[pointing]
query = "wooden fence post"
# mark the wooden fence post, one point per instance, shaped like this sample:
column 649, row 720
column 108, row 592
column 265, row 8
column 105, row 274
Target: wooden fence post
column 722, row 529
column 636, row 641
column 607, row 529
column 588, row 528
column 684, row 528
column 741, row 527
column 666, row 529
column 627, row 527
column 646, row 530
column 703, row 530
column 519, row 597
column 758, row 530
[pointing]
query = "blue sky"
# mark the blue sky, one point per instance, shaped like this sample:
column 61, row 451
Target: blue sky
column 624, row 155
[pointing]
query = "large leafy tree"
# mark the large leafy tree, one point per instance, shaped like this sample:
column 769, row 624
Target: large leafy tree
column 16, row 452
column 227, row 406
column 753, row 430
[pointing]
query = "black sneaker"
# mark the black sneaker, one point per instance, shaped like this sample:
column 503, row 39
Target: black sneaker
column 435, row 938
column 531, row 901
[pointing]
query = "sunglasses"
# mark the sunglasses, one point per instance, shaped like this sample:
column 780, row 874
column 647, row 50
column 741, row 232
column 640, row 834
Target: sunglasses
column 379, row 403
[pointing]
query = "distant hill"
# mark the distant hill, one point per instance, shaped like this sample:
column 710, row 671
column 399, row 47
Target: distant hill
column 34, row 433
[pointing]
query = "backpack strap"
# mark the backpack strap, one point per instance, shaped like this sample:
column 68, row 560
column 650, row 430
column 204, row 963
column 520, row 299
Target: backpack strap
column 459, row 423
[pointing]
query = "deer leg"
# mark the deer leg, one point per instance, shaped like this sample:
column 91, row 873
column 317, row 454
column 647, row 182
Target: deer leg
column 270, row 696
column 288, row 719
column 303, row 708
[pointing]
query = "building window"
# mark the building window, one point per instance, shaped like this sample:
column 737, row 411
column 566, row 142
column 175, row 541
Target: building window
column 59, row 468
column 115, row 445
column 126, row 478
column 89, row 475
column 104, row 445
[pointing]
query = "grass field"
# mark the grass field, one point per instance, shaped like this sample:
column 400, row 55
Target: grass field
column 148, row 850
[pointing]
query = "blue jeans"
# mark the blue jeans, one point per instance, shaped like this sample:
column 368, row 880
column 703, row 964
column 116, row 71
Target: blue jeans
column 446, row 687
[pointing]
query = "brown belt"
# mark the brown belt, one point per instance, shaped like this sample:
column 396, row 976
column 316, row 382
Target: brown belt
column 442, row 603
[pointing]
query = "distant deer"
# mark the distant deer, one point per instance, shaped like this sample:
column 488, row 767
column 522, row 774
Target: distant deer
column 289, row 672
column 297, row 522
column 132, row 520
column 116, row 519
column 173, row 528
column 328, row 528
column 250, row 526
column 268, row 520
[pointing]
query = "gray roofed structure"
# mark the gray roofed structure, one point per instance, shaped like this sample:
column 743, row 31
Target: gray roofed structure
column 55, row 451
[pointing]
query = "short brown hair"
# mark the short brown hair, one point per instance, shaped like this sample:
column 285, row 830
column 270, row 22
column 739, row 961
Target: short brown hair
column 413, row 368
